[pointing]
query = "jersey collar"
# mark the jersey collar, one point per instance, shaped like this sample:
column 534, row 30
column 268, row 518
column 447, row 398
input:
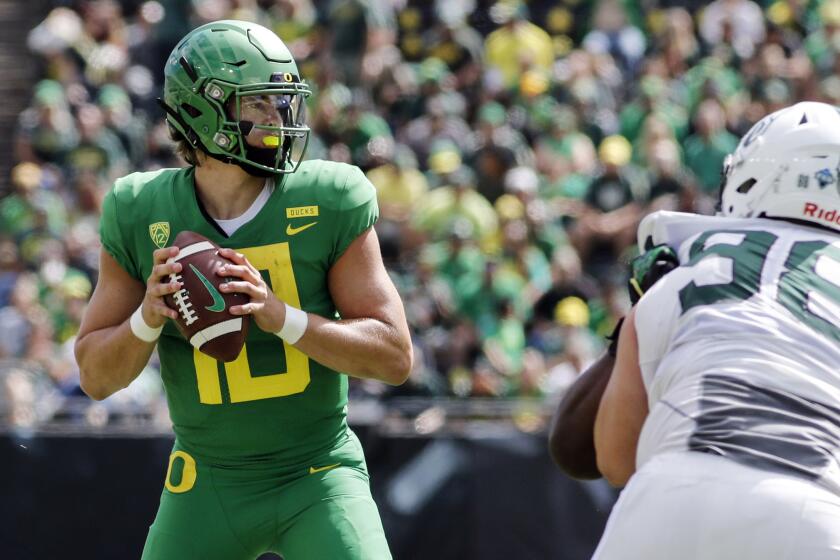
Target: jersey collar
column 195, row 217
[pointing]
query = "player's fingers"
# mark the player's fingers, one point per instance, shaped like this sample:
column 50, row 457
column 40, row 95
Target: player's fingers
column 239, row 259
column 164, row 288
column 230, row 254
column 164, row 269
column 230, row 270
column 242, row 287
column 245, row 309
column 160, row 255
column 239, row 271
column 159, row 308
column 168, row 312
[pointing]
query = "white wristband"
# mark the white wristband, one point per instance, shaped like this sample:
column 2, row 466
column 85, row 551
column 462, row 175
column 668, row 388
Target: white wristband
column 295, row 324
column 141, row 329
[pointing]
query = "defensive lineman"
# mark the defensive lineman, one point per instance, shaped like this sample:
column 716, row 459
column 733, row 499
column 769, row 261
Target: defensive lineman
column 723, row 409
column 263, row 458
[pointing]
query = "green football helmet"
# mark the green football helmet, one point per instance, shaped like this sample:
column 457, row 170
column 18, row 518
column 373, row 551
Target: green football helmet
column 232, row 89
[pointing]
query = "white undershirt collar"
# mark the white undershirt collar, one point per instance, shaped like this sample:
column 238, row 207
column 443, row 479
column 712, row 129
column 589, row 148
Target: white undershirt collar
column 230, row 226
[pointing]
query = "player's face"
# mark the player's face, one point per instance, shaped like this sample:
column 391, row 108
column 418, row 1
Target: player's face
column 264, row 110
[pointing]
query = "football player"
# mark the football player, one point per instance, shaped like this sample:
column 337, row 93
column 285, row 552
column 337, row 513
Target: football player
column 571, row 440
column 722, row 413
column 263, row 459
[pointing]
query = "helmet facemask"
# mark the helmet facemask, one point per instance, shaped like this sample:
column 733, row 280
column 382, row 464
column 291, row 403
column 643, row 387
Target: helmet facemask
column 264, row 130
column 729, row 165
column 725, row 172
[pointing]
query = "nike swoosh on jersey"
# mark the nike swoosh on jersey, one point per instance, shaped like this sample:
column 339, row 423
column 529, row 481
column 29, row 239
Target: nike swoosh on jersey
column 313, row 470
column 295, row 230
column 218, row 300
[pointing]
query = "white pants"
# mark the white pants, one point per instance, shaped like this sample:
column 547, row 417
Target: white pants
column 695, row 506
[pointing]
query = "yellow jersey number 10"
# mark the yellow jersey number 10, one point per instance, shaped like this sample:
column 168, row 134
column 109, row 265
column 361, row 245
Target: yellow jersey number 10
column 242, row 386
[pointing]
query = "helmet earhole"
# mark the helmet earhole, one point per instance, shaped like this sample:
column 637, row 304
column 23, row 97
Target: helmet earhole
column 745, row 187
column 190, row 110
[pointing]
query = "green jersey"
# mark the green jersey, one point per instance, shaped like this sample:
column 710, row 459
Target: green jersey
column 272, row 405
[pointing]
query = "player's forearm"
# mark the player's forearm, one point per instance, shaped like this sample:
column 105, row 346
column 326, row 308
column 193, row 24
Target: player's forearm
column 572, row 442
column 366, row 348
column 109, row 359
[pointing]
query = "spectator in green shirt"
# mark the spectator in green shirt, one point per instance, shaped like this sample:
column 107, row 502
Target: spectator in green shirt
column 31, row 205
column 46, row 130
column 709, row 145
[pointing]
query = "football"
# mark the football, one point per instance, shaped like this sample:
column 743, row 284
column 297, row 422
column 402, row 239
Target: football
column 203, row 310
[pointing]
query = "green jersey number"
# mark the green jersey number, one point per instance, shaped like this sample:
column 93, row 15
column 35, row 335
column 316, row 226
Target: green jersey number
column 747, row 257
column 804, row 287
column 241, row 384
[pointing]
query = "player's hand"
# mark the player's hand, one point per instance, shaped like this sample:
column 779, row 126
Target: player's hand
column 155, row 311
column 268, row 312
column 648, row 268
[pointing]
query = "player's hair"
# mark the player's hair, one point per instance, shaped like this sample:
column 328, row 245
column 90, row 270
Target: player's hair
column 184, row 149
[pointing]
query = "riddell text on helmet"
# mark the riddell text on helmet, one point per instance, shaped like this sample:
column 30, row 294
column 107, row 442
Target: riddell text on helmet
column 815, row 211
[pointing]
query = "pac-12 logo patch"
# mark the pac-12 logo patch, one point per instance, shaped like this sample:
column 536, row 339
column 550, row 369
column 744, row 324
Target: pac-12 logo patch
column 159, row 232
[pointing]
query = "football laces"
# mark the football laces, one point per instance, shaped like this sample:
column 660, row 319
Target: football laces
column 182, row 300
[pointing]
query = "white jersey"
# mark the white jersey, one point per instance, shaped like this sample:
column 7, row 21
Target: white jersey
column 739, row 349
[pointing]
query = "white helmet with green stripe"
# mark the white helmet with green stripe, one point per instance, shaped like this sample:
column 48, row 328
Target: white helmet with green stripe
column 232, row 90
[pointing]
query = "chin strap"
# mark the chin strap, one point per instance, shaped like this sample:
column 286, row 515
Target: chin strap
column 256, row 171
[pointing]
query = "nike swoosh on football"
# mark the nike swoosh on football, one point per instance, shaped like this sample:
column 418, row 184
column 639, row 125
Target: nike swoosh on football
column 313, row 470
column 218, row 300
column 295, row 230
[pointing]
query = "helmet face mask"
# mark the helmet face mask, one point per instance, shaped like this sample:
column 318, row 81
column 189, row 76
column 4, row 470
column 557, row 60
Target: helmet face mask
column 232, row 90
column 265, row 127
column 787, row 167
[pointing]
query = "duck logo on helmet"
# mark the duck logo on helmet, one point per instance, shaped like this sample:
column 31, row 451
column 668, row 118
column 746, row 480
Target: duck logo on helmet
column 284, row 78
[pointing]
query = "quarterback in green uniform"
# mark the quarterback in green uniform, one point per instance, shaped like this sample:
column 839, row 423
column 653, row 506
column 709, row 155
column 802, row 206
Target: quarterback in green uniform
column 263, row 458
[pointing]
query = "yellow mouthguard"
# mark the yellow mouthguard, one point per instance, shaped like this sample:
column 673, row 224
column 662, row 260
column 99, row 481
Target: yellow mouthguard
column 271, row 141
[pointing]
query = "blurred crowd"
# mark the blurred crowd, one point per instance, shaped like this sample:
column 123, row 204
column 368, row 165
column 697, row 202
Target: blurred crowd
column 514, row 147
